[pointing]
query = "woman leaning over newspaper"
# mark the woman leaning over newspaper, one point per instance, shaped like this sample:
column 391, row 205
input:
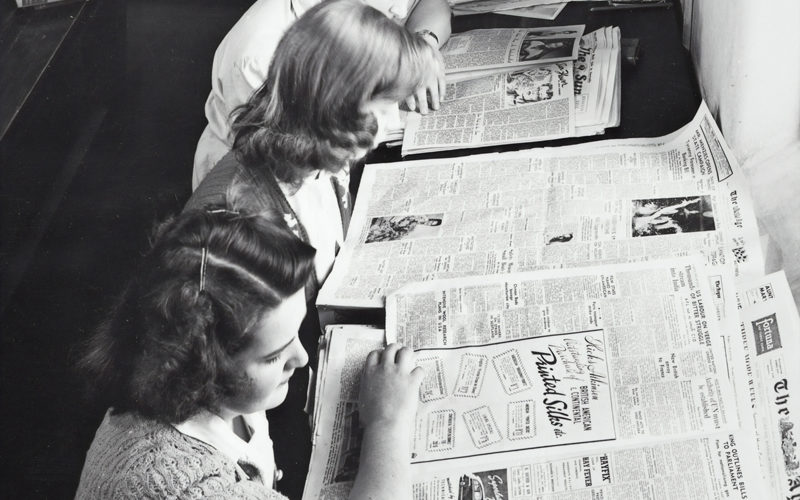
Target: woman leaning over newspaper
column 241, row 63
column 202, row 342
column 336, row 74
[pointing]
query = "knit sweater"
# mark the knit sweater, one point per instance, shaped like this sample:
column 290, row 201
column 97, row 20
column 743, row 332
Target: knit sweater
column 134, row 457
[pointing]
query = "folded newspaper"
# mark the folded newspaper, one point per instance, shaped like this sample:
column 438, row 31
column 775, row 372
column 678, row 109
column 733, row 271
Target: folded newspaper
column 547, row 9
column 492, row 100
column 601, row 382
column 521, row 9
column 604, row 202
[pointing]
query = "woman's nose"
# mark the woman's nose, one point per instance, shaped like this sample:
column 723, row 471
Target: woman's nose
column 299, row 357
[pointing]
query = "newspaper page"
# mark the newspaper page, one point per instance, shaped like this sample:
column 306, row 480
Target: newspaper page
column 618, row 410
column 609, row 201
column 478, row 51
column 716, row 466
column 534, row 104
column 336, row 435
column 769, row 375
column 641, row 338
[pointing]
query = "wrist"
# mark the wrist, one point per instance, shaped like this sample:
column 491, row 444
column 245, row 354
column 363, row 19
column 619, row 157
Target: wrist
column 389, row 433
column 430, row 37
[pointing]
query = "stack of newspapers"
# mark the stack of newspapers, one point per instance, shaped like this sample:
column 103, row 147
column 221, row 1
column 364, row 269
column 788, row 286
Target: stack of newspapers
column 594, row 321
column 520, row 85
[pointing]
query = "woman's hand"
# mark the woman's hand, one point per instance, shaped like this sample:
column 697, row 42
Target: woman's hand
column 433, row 85
column 389, row 388
column 387, row 405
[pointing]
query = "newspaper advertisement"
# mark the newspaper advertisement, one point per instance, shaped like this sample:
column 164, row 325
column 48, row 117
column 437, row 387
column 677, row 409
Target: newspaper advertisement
column 767, row 383
column 527, row 105
column 717, row 466
column 504, row 48
column 609, row 201
column 513, row 395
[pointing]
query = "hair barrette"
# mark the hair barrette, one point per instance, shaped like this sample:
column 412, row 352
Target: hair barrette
column 203, row 260
column 222, row 211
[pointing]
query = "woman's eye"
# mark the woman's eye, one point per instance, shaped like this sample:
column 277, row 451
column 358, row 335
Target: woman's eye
column 272, row 360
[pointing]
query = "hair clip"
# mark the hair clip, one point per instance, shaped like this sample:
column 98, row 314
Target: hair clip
column 222, row 211
column 203, row 260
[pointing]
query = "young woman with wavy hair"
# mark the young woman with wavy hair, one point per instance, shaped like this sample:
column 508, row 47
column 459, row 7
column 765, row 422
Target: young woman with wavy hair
column 202, row 341
column 335, row 75
column 241, row 63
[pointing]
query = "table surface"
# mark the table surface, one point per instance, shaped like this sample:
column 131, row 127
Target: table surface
column 29, row 39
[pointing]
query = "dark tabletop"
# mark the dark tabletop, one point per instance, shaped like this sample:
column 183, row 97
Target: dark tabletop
column 29, row 39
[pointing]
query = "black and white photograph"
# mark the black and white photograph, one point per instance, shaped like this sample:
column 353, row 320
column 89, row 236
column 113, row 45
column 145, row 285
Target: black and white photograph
column 487, row 485
column 404, row 227
column 236, row 236
column 531, row 85
column 546, row 49
column 660, row 216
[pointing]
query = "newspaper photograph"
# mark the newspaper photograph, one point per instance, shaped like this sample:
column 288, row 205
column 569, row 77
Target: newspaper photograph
column 769, row 372
column 717, row 466
column 609, row 201
column 527, row 105
column 485, row 51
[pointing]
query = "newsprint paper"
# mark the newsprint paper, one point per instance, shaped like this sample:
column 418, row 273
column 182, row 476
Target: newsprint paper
column 603, row 382
column 769, row 377
column 603, row 202
column 484, row 51
column 543, row 102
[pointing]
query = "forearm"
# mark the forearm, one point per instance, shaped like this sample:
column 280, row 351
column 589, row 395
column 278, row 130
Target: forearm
column 384, row 470
column 433, row 15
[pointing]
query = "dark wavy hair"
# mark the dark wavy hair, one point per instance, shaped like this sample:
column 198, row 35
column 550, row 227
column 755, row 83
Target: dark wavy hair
column 167, row 349
column 309, row 113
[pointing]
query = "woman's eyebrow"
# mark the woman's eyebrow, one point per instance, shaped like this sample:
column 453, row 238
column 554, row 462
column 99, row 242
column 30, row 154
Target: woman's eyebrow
column 280, row 349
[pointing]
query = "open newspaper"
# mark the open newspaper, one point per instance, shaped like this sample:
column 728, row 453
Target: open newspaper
column 482, row 52
column 608, row 201
column 602, row 382
column 768, row 376
column 543, row 102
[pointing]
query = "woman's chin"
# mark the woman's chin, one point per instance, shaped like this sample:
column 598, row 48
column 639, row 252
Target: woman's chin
column 278, row 396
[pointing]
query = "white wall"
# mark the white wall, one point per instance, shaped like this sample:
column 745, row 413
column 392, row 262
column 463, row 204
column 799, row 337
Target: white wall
column 747, row 57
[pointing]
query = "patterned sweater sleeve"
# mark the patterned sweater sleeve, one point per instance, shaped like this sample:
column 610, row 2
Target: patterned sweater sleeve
column 136, row 458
